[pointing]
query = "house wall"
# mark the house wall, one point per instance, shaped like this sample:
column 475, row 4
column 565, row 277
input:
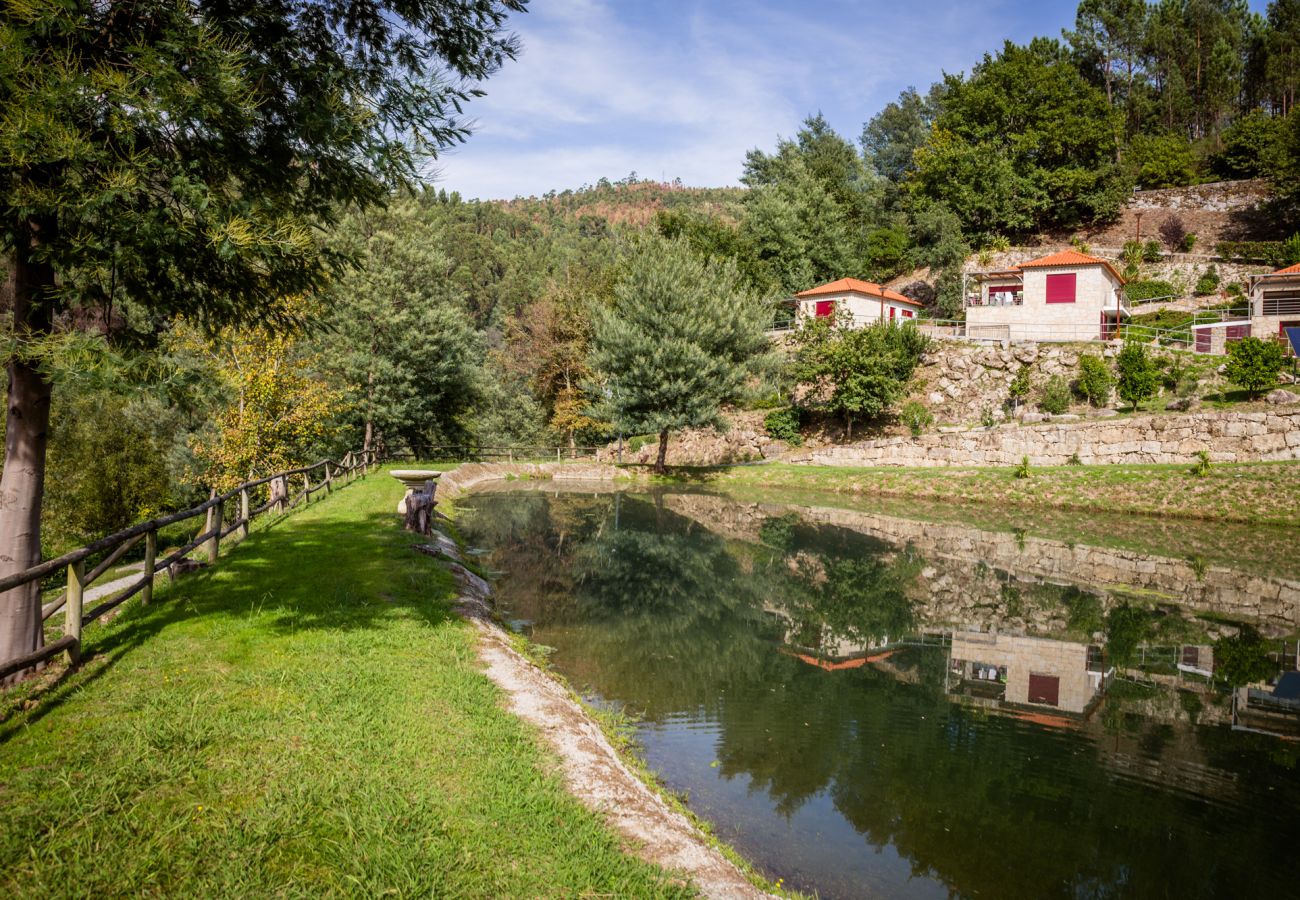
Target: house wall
column 864, row 309
column 1036, row 319
column 1263, row 326
column 1024, row 656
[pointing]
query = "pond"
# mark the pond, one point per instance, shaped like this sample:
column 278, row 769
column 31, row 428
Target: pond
column 881, row 701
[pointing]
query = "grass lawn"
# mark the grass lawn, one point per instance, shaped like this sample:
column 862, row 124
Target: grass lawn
column 1253, row 493
column 305, row 719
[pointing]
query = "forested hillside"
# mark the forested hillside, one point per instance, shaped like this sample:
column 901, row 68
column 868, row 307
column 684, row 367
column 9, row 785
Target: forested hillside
column 471, row 320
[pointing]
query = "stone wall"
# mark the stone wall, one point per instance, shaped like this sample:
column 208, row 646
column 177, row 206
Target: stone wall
column 468, row 476
column 1226, row 436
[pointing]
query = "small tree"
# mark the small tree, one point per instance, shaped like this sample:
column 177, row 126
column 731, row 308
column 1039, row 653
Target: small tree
column 1138, row 374
column 1095, row 380
column 1172, row 232
column 1019, row 388
column 1243, row 658
column 1253, row 364
column 678, row 342
column 1056, row 396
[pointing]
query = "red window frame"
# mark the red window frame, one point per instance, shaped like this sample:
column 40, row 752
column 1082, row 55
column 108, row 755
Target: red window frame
column 907, row 314
column 824, row 309
column 1062, row 287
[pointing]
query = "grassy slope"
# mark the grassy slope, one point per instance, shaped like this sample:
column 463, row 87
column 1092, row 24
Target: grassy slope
column 305, row 719
column 1256, row 493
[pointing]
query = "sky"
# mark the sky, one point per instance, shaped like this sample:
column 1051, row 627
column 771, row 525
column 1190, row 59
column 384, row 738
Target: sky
column 679, row 89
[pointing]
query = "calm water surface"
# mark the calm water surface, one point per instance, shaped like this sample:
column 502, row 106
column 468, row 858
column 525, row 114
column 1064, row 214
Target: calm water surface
column 879, row 702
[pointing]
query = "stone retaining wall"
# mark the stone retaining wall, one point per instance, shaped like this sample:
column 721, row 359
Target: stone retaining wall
column 1227, row 436
column 467, row 476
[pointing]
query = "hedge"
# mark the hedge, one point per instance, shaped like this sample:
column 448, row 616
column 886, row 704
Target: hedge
column 1137, row 291
column 1271, row 252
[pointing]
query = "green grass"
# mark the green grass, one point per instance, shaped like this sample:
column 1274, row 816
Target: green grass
column 1249, row 493
column 305, row 719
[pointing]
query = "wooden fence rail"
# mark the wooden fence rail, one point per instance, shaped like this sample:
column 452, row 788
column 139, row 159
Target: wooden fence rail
column 465, row 452
column 215, row 528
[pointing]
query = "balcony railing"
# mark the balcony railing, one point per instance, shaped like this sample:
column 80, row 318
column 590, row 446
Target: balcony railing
column 998, row 299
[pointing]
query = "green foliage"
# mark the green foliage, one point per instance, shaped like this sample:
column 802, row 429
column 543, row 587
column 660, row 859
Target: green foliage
column 1189, row 241
column 1095, row 380
column 986, row 417
column 1056, row 396
column 887, row 251
column 1085, row 616
column 1271, row 252
column 783, row 425
column 1291, row 250
column 1151, row 252
column 856, row 373
column 1208, row 283
column 1022, row 470
column 1020, row 385
column 1202, row 467
column 679, row 341
column 1162, row 160
column 1126, row 627
column 1138, row 374
column 1149, row 289
column 917, row 416
column 1243, row 658
column 1254, row 364
column 998, row 156
column 1252, row 146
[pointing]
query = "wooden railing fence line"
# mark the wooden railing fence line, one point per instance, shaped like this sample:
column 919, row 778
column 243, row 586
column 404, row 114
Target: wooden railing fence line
column 215, row 528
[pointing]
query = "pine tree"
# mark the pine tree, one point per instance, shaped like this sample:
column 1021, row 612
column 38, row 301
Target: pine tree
column 679, row 341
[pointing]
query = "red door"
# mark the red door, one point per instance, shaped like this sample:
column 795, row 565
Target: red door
column 825, row 309
column 1045, row 689
column 892, row 310
column 1203, row 340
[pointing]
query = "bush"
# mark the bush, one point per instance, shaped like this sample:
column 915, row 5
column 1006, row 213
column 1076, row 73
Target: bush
column 1095, row 380
column 1235, row 289
column 1243, row 658
column 1126, row 627
column 917, row 417
column 1291, row 250
column 1202, row 467
column 1022, row 470
column 1270, row 252
column 1138, row 374
column 1189, row 241
column 1208, row 283
column 1151, row 252
column 1137, row 291
column 1133, row 254
column 783, row 425
column 1056, row 396
column 1019, row 388
column 1172, row 231
column 1253, row 364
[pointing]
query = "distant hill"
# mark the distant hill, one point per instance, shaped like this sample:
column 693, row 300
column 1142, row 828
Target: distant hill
column 629, row 202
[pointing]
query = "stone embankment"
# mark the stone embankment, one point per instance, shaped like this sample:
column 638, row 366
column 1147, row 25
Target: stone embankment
column 468, row 476
column 1226, row 436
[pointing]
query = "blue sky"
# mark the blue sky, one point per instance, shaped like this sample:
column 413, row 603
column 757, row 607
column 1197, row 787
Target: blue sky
column 680, row 89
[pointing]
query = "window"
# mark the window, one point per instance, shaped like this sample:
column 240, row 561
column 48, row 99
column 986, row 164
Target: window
column 825, row 308
column 1060, row 288
column 893, row 310
column 907, row 314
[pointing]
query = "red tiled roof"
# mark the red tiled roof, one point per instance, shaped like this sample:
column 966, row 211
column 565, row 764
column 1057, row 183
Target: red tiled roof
column 1289, row 270
column 845, row 285
column 1070, row 258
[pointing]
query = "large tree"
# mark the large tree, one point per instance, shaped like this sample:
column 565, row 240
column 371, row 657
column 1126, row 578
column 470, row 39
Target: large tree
column 680, row 339
column 177, row 157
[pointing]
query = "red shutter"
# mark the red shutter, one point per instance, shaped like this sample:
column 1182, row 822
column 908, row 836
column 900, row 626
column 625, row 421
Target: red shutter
column 1202, row 340
column 1060, row 288
column 825, row 308
column 907, row 314
column 892, row 310
column 1045, row 689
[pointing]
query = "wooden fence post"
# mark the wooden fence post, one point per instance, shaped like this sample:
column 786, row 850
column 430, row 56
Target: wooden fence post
column 306, row 488
column 279, row 493
column 214, row 539
column 329, row 479
column 243, row 512
column 72, row 608
column 150, row 560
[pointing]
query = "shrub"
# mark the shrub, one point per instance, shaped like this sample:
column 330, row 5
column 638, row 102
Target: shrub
column 1253, row 364
column 1151, row 252
column 1243, row 658
column 1095, row 380
column 1137, row 291
column 1291, row 250
column 1202, row 467
column 1133, row 254
column 1056, row 396
column 1022, row 470
column 1019, row 388
column 986, row 418
column 1208, row 283
column 1235, row 289
column 1172, row 232
column 917, row 417
column 783, row 425
column 1126, row 627
column 1074, row 460
column 1270, row 252
column 1138, row 374
column 1189, row 241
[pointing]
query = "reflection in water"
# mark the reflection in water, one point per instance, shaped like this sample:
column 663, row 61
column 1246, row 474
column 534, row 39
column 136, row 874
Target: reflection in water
column 866, row 710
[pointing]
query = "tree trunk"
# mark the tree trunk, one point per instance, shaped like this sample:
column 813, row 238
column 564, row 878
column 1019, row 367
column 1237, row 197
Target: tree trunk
column 663, row 453
column 22, row 482
column 370, row 411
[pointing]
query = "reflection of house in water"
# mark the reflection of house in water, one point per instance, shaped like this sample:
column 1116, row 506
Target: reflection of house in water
column 1196, row 659
column 1275, row 712
column 1002, row 668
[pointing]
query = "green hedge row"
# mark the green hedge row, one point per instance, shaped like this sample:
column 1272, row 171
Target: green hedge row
column 1137, row 291
column 1271, row 252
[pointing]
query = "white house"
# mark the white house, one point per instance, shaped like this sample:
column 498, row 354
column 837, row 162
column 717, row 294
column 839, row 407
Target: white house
column 865, row 301
column 1067, row 296
column 1275, row 303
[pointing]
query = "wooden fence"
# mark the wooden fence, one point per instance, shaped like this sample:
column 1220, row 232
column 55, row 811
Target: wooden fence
column 272, row 493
